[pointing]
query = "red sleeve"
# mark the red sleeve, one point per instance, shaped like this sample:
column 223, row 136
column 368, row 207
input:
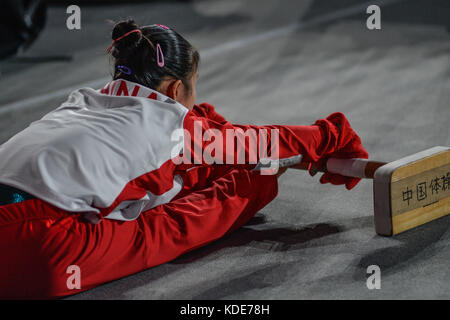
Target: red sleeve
column 207, row 110
column 313, row 142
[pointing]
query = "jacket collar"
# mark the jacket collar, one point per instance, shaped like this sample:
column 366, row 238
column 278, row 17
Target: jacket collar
column 126, row 88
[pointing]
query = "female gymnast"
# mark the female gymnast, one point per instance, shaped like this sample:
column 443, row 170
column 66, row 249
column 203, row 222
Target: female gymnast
column 115, row 181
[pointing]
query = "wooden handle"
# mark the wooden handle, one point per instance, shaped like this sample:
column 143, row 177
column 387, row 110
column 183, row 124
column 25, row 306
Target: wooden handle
column 358, row 168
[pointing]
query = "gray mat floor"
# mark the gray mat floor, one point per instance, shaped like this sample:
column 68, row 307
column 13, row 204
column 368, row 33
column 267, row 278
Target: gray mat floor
column 283, row 62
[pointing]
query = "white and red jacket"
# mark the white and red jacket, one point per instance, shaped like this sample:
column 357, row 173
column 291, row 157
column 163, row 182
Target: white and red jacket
column 110, row 153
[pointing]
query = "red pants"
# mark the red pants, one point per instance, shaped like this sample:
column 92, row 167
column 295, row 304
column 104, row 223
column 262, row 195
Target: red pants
column 39, row 242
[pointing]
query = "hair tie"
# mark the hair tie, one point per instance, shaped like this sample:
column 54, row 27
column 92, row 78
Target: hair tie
column 162, row 26
column 124, row 69
column 121, row 37
column 159, row 56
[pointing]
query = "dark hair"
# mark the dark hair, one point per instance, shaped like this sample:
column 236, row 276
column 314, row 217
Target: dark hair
column 137, row 52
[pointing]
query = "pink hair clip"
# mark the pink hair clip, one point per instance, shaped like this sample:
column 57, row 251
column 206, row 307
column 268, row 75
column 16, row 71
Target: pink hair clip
column 159, row 56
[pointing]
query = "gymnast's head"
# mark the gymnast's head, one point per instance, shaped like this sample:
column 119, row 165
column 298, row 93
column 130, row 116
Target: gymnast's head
column 157, row 57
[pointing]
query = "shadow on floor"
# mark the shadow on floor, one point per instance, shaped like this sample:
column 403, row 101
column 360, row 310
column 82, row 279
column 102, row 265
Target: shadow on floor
column 275, row 239
column 413, row 243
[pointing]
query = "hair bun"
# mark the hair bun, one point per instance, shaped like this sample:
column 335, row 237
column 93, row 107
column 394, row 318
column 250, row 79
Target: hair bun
column 127, row 44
